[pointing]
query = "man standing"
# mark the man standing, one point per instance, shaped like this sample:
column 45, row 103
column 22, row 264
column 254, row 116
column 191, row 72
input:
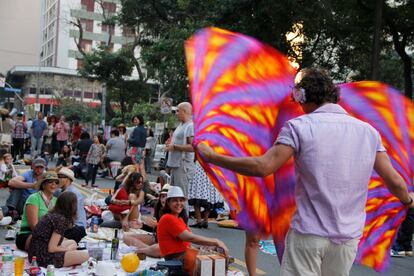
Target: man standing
column 77, row 232
column 115, row 147
column 334, row 158
column 181, row 153
column 62, row 133
column 23, row 185
column 38, row 129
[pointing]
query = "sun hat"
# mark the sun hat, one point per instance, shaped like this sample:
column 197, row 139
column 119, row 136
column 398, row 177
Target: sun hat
column 39, row 162
column 67, row 172
column 46, row 176
column 175, row 191
column 165, row 189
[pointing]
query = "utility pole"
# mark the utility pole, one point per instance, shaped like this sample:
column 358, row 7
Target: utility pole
column 38, row 80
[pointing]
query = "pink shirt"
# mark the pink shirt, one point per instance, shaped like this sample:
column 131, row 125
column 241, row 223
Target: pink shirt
column 62, row 131
column 334, row 159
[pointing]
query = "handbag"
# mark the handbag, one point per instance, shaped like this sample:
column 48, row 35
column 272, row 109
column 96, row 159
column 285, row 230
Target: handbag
column 5, row 138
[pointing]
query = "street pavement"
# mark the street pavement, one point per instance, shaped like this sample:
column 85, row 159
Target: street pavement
column 234, row 239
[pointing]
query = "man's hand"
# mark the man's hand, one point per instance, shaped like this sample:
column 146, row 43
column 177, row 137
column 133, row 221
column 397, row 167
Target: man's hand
column 206, row 152
column 412, row 203
column 169, row 147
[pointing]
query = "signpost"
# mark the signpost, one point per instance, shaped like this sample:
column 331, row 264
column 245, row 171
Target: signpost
column 166, row 105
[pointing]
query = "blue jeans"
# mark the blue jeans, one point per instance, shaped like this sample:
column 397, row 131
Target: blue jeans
column 36, row 148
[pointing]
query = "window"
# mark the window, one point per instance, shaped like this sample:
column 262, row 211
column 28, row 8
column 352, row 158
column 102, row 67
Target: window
column 78, row 93
column 32, row 90
column 88, row 95
column 67, row 93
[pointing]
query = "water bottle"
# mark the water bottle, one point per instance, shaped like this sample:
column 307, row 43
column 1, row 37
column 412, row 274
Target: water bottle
column 8, row 265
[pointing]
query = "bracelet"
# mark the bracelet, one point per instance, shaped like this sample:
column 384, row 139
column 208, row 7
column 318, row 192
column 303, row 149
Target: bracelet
column 407, row 203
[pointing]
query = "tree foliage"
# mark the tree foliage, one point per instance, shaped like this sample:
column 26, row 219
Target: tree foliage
column 336, row 34
column 74, row 110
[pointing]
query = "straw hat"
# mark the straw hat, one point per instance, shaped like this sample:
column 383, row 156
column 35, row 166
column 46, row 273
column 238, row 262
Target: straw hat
column 67, row 172
column 175, row 191
column 46, row 176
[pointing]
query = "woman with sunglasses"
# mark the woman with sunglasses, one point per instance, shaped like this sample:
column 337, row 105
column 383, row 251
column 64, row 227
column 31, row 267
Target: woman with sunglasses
column 37, row 205
column 126, row 201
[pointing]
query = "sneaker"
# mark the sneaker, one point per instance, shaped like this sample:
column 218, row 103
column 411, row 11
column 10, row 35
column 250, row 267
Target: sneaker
column 395, row 253
column 197, row 225
column 5, row 221
column 10, row 235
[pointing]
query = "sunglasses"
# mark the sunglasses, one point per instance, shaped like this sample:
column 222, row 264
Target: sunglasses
column 52, row 182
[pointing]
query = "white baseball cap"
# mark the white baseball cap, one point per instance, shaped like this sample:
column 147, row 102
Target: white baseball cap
column 175, row 191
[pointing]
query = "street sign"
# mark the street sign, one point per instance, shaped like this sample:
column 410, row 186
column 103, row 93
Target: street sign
column 15, row 90
column 37, row 107
column 166, row 105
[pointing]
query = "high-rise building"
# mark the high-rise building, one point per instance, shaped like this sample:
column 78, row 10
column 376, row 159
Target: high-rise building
column 69, row 27
column 68, row 24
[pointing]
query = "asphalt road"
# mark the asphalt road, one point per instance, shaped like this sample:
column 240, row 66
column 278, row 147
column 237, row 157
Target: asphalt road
column 266, row 264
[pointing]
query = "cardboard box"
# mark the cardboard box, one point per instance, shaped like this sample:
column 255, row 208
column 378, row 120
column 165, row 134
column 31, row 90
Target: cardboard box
column 219, row 265
column 204, row 266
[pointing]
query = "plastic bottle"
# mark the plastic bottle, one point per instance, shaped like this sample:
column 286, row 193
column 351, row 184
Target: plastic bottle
column 114, row 246
column 8, row 265
column 34, row 269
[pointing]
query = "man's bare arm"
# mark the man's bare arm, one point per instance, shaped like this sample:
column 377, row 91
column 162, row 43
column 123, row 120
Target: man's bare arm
column 18, row 183
column 263, row 165
column 393, row 180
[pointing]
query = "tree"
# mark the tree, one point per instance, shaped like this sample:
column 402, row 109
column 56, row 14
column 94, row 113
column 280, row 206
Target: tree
column 74, row 110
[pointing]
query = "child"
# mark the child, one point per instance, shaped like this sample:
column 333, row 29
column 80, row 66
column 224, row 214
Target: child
column 95, row 156
column 7, row 170
column 48, row 244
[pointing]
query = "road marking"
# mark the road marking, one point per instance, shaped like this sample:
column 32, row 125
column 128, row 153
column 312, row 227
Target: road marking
column 243, row 264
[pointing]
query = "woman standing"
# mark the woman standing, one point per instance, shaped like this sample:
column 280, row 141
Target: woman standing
column 48, row 244
column 149, row 147
column 202, row 193
column 51, row 120
column 123, row 133
column 95, row 156
column 137, row 141
column 126, row 201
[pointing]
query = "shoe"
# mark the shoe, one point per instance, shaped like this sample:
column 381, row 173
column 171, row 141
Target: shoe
column 6, row 221
column 204, row 224
column 10, row 235
column 395, row 253
column 84, row 185
column 95, row 186
column 197, row 225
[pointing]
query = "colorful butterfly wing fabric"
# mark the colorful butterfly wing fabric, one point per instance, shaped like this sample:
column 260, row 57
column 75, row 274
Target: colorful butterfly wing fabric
column 236, row 86
column 387, row 110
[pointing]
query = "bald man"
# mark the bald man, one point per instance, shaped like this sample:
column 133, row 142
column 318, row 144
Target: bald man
column 181, row 156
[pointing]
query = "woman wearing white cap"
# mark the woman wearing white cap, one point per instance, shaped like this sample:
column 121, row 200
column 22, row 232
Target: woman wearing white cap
column 173, row 234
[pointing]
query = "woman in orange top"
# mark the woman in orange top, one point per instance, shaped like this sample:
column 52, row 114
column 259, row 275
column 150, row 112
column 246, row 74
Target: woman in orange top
column 173, row 234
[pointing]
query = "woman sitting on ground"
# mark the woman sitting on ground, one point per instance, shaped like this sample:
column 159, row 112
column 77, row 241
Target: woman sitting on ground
column 126, row 202
column 65, row 157
column 37, row 205
column 48, row 244
column 147, row 243
column 173, row 234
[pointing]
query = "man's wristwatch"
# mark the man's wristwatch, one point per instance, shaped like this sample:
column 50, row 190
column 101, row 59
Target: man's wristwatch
column 407, row 203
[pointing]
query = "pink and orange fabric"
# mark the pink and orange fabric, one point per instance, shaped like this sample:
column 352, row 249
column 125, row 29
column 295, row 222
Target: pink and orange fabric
column 240, row 90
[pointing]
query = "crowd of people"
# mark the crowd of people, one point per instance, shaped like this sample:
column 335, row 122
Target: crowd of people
column 326, row 144
column 52, row 209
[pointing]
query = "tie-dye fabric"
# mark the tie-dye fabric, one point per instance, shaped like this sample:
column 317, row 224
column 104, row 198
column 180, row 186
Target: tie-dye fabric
column 241, row 98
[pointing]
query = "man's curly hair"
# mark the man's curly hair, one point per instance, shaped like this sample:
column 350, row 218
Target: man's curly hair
column 318, row 86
